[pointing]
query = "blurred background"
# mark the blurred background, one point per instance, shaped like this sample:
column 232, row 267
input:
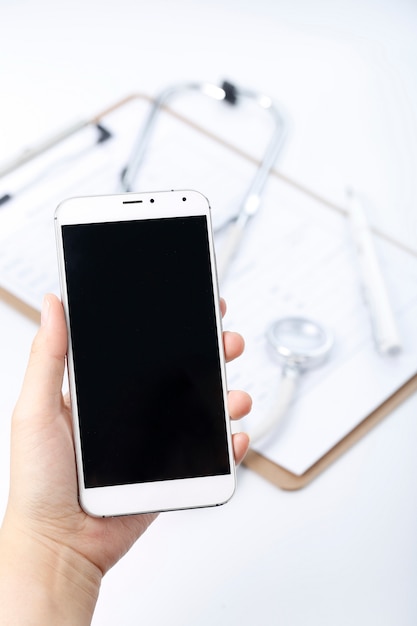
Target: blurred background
column 345, row 72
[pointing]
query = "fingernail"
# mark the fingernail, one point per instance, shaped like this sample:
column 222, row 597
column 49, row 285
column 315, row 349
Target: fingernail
column 45, row 311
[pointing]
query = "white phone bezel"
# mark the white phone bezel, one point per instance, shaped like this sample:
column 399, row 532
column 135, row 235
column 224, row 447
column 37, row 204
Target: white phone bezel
column 160, row 495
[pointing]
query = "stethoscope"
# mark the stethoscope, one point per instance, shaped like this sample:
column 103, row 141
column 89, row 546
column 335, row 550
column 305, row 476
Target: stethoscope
column 300, row 344
column 250, row 202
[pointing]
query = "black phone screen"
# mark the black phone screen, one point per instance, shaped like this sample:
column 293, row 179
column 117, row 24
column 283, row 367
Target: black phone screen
column 145, row 349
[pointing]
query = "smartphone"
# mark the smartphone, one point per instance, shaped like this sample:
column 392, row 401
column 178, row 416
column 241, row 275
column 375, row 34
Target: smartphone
column 145, row 359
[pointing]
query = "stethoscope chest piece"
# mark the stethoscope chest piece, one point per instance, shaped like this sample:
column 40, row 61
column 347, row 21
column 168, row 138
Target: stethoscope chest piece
column 300, row 344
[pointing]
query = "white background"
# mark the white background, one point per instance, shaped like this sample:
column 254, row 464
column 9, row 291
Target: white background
column 343, row 550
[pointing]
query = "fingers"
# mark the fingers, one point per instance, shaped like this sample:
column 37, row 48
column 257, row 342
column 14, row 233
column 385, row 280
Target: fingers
column 233, row 342
column 240, row 446
column 234, row 345
column 239, row 404
column 41, row 391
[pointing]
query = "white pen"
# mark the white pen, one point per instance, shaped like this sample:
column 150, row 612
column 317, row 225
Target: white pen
column 384, row 325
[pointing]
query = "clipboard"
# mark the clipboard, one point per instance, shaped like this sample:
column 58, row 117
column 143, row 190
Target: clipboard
column 268, row 469
column 30, row 154
column 284, row 479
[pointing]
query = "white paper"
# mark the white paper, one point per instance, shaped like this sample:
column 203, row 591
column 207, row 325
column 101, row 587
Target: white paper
column 296, row 258
column 299, row 260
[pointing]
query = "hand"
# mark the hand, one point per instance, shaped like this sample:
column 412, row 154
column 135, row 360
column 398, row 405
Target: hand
column 44, row 525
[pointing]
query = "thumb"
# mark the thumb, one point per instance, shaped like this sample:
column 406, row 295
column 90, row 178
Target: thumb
column 42, row 384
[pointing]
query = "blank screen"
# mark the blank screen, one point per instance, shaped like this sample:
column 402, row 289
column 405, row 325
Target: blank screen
column 145, row 349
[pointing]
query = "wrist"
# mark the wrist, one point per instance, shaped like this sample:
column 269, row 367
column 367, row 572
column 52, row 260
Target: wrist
column 42, row 582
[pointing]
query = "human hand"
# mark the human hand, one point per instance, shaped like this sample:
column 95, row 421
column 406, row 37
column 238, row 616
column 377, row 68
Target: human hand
column 44, row 526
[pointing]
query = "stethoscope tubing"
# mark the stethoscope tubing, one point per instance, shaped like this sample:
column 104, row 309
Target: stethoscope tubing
column 252, row 197
column 295, row 361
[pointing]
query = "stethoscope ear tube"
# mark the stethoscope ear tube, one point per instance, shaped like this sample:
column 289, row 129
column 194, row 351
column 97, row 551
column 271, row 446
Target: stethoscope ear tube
column 230, row 94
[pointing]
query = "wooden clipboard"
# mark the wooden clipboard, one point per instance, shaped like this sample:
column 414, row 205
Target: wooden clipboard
column 271, row 471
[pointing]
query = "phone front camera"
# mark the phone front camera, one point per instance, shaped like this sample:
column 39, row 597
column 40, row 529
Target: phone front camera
column 184, row 199
column 152, row 200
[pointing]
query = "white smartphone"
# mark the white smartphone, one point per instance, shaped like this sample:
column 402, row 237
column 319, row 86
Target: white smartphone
column 145, row 353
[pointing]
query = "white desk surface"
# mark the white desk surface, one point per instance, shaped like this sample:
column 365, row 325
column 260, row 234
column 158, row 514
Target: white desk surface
column 343, row 550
